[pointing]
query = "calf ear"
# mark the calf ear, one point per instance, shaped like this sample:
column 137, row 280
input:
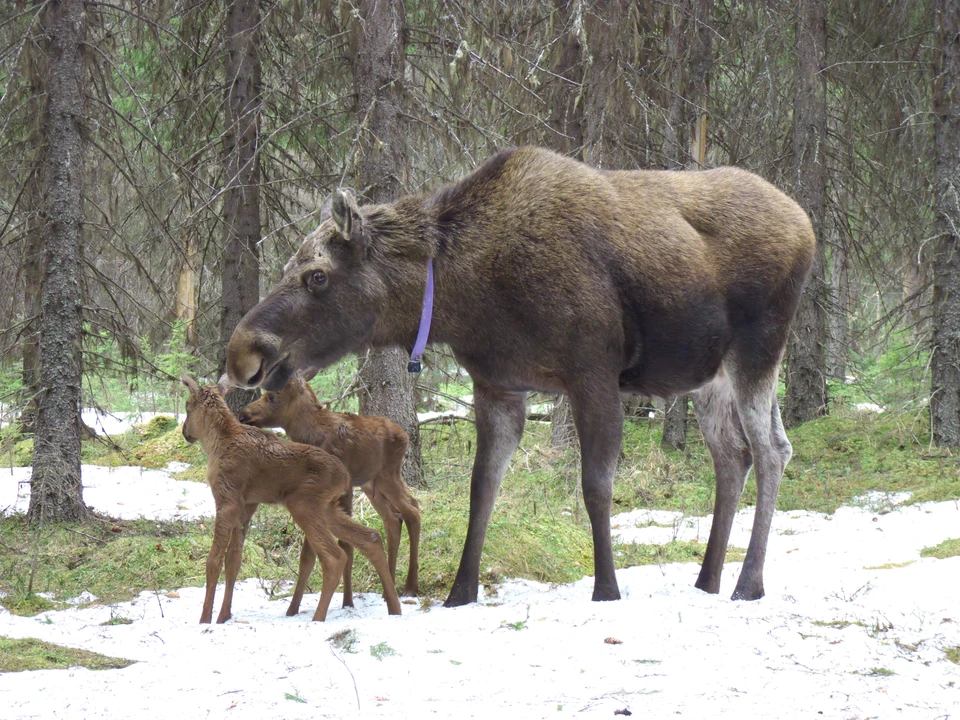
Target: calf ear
column 189, row 382
column 224, row 387
column 346, row 216
column 326, row 209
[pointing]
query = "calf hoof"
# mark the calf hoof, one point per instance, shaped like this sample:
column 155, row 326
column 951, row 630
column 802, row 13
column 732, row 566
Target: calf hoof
column 604, row 593
column 292, row 610
column 347, row 603
column 409, row 591
column 223, row 618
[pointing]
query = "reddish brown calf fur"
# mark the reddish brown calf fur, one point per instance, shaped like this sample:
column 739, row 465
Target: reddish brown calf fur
column 372, row 450
column 247, row 466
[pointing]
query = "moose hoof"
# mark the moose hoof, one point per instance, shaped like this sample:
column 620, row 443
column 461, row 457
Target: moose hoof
column 747, row 593
column 604, row 593
column 708, row 585
column 460, row 595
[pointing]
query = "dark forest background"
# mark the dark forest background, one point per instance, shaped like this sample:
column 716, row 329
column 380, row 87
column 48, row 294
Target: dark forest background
column 160, row 161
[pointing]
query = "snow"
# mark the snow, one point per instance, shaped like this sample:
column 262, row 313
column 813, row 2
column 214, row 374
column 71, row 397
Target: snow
column 849, row 601
column 125, row 492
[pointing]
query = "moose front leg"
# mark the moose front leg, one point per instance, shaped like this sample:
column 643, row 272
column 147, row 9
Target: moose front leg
column 598, row 417
column 500, row 419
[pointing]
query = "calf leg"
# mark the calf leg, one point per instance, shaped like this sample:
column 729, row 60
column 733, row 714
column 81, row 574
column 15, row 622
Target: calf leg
column 346, row 504
column 719, row 422
column 307, row 512
column 368, row 542
column 227, row 519
column 391, row 522
column 500, row 419
column 598, row 417
column 390, row 485
column 760, row 417
column 234, row 556
column 308, row 559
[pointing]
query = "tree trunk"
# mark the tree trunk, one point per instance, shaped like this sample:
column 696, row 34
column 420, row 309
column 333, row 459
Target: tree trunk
column 56, row 488
column 945, row 362
column 567, row 121
column 388, row 389
column 241, row 199
column 32, row 282
column 806, row 380
column 185, row 303
column 688, row 44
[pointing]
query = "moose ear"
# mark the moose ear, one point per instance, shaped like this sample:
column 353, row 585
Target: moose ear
column 345, row 214
column 307, row 374
column 189, row 382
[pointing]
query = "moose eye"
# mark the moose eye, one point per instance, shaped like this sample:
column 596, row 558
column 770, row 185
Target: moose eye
column 318, row 278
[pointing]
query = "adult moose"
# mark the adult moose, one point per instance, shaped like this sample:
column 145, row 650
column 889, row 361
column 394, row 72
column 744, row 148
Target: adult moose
column 553, row 276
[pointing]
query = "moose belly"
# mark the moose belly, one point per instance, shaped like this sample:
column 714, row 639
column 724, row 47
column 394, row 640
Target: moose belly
column 677, row 352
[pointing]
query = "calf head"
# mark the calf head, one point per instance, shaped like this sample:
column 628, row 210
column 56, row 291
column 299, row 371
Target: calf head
column 199, row 401
column 274, row 408
column 326, row 305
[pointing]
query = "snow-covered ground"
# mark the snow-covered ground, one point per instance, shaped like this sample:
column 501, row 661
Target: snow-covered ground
column 837, row 636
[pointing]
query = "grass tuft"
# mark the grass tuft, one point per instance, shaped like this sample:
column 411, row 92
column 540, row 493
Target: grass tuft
column 946, row 549
column 30, row 654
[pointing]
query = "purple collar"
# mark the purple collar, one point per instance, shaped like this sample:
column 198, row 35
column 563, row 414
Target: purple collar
column 425, row 317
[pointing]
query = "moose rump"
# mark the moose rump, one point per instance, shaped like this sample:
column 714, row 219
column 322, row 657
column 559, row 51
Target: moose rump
column 554, row 276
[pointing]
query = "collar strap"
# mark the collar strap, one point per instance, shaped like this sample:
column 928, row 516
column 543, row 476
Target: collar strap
column 425, row 318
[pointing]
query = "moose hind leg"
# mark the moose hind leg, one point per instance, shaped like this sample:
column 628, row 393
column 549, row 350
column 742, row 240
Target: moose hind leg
column 598, row 417
column 500, row 419
column 760, row 417
column 719, row 422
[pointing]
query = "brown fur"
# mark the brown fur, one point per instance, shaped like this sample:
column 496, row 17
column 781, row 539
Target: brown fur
column 371, row 448
column 554, row 276
column 247, row 466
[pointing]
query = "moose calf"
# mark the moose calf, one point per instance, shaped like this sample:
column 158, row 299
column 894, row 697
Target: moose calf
column 246, row 467
column 371, row 448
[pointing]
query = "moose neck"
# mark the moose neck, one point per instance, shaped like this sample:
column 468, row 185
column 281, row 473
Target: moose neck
column 407, row 241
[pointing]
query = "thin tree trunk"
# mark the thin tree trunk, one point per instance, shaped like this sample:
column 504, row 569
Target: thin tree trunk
column 568, row 122
column 688, row 44
column 806, row 379
column 945, row 363
column 241, row 199
column 388, row 389
column 185, row 303
column 676, row 408
column 56, row 488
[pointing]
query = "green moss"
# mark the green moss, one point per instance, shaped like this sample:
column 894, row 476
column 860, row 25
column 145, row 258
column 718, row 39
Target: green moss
column 157, row 426
column 953, row 654
column 31, row 654
column 29, row 604
column 148, row 446
column 946, row 549
column 23, row 453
